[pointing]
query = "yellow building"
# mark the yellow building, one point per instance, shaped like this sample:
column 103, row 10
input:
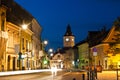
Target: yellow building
column 3, row 36
column 112, row 59
column 107, row 48
column 19, row 47
column 12, row 42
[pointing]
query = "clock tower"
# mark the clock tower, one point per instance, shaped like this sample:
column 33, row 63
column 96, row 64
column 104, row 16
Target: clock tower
column 68, row 38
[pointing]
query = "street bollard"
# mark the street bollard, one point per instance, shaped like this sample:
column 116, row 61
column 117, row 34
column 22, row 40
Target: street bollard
column 87, row 75
column 95, row 72
column 93, row 77
column 83, row 76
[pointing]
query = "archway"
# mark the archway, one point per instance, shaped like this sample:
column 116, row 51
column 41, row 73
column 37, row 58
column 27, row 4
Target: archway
column 8, row 63
column 14, row 64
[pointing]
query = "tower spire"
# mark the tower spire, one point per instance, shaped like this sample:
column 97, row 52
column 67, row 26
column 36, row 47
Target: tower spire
column 68, row 31
column 68, row 38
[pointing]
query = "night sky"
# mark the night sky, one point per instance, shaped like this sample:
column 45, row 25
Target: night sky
column 82, row 15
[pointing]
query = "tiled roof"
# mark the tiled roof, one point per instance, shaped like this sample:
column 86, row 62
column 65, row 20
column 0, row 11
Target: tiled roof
column 96, row 37
column 81, row 42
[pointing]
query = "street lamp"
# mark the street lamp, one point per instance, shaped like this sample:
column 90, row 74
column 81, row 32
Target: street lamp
column 45, row 42
column 42, row 55
column 50, row 50
column 51, row 54
column 24, row 26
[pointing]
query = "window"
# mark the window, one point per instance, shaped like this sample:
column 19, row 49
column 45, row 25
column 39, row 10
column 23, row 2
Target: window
column 2, row 25
column 23, row 43
column 26, row 45
column 3, row 21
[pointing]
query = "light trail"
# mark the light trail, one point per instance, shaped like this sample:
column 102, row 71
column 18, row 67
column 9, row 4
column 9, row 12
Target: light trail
column 25, row 72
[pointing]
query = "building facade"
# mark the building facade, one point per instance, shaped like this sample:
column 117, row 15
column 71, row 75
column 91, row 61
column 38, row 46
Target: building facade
column 106, row 43
column 57, row 61
column 3, row 37
column 112, row 53
column 36, row 41
column 83, row 51
column 19, row 48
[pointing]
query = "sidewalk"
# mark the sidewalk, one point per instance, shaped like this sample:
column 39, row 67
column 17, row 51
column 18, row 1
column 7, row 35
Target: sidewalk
column 107, row 75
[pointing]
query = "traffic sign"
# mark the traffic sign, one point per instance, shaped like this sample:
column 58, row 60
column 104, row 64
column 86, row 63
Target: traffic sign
column 94, row 51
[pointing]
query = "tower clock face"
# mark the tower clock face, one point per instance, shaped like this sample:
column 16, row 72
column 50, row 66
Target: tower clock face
column 72, row 39
column 67, row 39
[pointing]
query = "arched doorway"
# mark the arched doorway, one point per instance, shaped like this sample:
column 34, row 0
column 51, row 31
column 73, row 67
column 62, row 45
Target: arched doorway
column 8, row 64
column 14, row 64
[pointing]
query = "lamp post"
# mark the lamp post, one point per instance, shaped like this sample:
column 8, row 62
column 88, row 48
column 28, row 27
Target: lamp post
column 95, row 55
column 42, row 54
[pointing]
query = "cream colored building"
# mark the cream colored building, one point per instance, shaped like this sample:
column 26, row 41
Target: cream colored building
column 57, row 61
column 37, row 44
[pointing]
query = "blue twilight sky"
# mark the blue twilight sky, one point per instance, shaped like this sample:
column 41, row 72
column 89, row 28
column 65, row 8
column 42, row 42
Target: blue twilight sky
column 82, row 15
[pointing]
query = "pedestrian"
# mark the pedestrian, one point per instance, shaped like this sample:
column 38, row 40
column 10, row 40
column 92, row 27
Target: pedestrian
column 74, row 79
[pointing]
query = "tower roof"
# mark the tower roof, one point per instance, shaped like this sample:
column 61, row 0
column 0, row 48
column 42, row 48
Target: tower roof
column 68, row 31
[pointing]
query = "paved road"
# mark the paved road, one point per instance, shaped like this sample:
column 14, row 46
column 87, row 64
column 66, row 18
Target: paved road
column 61, row 75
